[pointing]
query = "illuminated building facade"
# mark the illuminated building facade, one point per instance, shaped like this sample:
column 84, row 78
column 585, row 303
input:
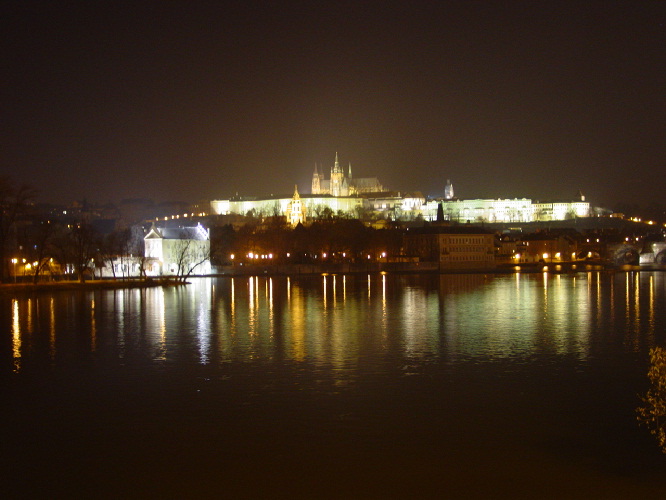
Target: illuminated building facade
column 295, row 209
column 177, row 251
column 345, row 195
column 452, row 247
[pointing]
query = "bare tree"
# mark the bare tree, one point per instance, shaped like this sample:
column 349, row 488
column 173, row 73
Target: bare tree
column 76, row 245
column 189, row 255
column 13, row 201
column 42, row 248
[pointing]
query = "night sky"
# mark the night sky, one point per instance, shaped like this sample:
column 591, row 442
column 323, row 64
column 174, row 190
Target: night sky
column 200, row 100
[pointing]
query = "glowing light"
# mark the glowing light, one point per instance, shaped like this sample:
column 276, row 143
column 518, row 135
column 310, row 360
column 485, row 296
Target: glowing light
column 545, row 256
column 232, row 256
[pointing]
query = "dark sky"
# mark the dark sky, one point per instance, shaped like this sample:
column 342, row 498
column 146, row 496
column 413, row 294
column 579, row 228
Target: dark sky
column 199, row 100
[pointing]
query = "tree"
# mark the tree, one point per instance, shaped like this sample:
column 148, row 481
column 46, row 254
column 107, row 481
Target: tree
column 188, row 255
column 77, row 246
column 42, row 248
column 653, row 414
column 13, row 201
column 112, row 247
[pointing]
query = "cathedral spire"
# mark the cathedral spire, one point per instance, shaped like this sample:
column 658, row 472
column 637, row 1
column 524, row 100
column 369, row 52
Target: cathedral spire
column 350, row 176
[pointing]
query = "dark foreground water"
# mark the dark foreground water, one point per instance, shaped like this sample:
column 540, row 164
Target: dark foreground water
column 383, row 386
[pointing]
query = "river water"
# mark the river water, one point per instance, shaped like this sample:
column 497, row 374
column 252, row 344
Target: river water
column 336, row 386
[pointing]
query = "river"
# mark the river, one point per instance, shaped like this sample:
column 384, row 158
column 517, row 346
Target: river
column 335, row 386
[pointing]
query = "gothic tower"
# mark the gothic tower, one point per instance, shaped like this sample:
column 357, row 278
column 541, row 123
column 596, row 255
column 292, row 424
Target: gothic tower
column 448, row 190
column 337, row 178
column 316, row 181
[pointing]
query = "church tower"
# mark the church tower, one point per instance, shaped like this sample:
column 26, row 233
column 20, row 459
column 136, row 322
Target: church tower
column 296, row 209
column 448, row 190
column 337, row 178
column 316, row 181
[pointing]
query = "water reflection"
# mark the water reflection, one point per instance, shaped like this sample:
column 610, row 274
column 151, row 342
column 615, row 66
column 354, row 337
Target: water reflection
column 347, row 321
column 16, row 335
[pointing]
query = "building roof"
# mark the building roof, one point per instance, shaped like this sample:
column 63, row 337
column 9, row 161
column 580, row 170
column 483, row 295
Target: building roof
column 197, row 233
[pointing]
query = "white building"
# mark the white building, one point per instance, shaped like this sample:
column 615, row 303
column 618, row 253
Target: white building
column 351, row 197
column 311, row 205
column 180, row 251
column 508, row 210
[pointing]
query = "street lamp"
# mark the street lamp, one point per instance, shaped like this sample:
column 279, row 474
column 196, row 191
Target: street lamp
column 14, row 261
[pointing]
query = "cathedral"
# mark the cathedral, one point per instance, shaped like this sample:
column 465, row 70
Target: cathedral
column 340, row 185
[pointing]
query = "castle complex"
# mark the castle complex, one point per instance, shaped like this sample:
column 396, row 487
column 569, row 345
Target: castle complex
column 365, row 196
column 341, row 185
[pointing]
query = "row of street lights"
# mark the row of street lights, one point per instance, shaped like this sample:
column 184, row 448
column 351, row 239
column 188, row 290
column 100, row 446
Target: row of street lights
column 27, row 266
column 254, row 256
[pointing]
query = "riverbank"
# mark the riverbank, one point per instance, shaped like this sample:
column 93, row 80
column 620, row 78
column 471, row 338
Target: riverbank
column 422, row 268
column 318, row 269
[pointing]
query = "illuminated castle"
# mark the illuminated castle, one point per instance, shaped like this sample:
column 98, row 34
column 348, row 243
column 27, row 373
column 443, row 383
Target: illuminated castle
column 341, row 185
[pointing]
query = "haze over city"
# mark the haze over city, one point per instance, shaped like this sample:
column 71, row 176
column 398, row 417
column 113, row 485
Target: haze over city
column 189, row 101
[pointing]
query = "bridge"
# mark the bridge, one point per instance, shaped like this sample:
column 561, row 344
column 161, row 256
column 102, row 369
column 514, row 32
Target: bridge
column 625, row 253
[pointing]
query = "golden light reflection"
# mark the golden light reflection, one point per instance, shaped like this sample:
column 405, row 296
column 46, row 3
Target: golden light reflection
column 253, row 304
column 93, row 326
column 450, row 316
column 298, row 325
column 52, row 329
column 384, row 307
column 637, row 302
column 232, row 325
column 271, row 309
column 612, row 300
column 334, row 289
column 28, row 316
column 16, row 335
